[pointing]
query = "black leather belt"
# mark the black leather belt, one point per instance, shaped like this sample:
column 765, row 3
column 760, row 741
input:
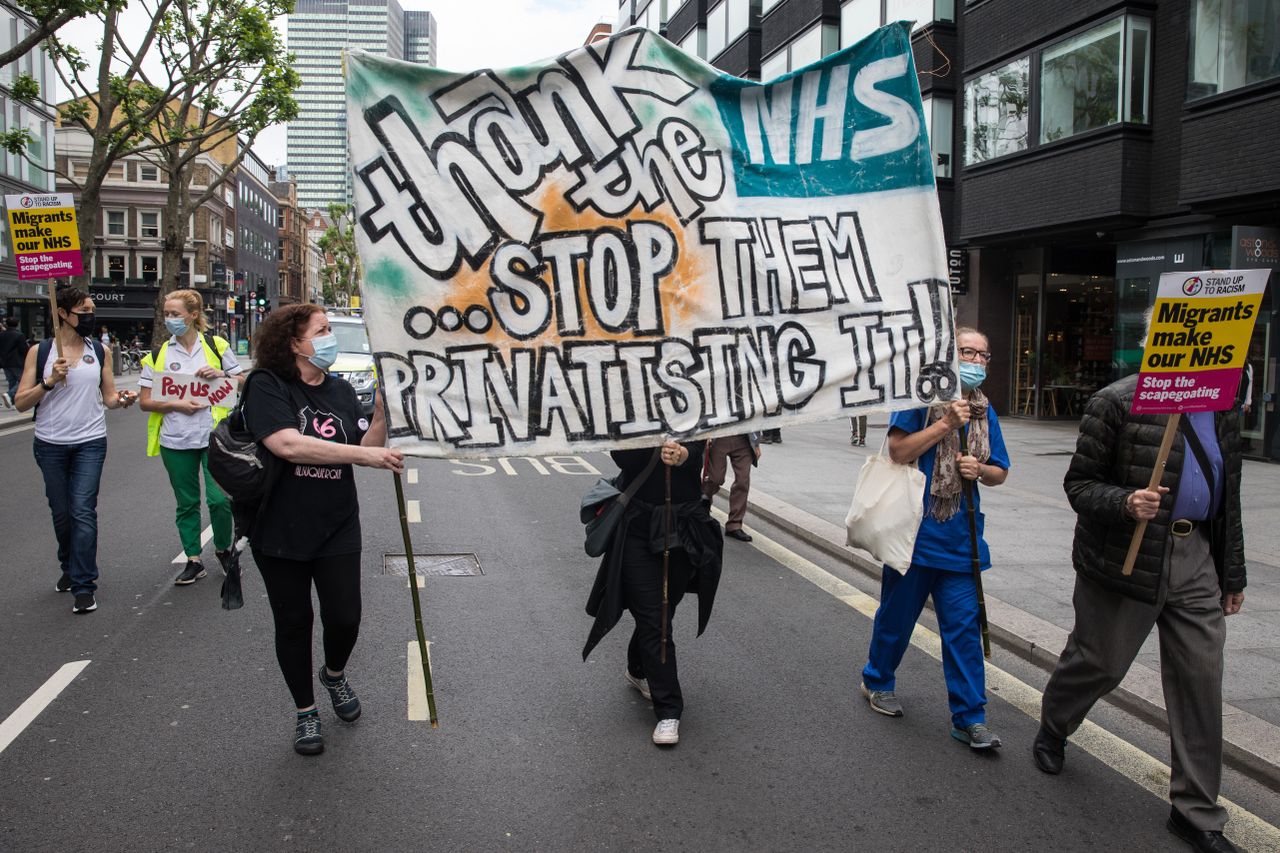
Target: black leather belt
column 1183, row 527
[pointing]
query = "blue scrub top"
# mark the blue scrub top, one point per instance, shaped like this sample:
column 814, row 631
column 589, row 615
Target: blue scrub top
column 945, row 544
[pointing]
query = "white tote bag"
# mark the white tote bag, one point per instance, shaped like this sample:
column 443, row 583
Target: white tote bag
column 888, row 505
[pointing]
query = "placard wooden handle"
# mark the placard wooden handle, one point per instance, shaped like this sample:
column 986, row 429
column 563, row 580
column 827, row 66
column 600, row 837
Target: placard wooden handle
column 1157, row 473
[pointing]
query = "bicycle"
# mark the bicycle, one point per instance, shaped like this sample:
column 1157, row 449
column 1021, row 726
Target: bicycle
column 131, row 360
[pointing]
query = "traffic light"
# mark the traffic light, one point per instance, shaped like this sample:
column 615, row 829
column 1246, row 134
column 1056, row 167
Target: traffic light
column 261, row 303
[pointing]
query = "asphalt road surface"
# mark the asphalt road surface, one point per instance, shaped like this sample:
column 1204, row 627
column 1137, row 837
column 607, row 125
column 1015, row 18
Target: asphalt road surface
column 177, row 732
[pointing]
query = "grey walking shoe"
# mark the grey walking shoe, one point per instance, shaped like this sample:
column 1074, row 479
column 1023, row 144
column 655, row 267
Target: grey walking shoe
column 345, row 702
column 882, row 701
column 641, row 684
column 977, row 736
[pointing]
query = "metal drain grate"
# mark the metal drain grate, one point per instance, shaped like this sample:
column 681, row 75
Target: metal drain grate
column 444, row 565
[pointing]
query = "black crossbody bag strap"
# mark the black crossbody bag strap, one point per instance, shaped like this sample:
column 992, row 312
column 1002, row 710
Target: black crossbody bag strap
column 633, row 487
column 1193, row 441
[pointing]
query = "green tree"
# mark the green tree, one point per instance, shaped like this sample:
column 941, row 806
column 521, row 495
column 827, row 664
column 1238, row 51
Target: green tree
column 108, row 102
column 340, row 270
column 233, row 80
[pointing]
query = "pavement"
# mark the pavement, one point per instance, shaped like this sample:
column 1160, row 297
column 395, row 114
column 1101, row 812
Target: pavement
column 805, row 485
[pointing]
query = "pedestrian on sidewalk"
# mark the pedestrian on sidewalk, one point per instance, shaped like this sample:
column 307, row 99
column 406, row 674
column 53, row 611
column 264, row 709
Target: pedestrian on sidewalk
column 178, row 430
column 858, row 430
column 1189, row 575
column 743, row 452
column 307, row 533
column 942, row 563
column 13, row 354
column 71, row 393
column 631, row 573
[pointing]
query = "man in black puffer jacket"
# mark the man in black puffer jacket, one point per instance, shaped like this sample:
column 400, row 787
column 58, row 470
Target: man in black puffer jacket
column 1189, row 574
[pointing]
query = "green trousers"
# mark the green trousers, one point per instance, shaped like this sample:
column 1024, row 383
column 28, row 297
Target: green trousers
column 184, row 475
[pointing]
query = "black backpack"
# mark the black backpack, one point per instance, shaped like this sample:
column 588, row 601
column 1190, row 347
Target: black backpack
column 239, row 466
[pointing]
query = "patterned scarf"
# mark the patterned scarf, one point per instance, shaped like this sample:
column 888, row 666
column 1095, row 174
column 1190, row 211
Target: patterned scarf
column 946, row 488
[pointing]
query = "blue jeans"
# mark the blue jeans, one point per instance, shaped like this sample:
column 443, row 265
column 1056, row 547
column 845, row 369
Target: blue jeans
column 13, row 375
column 955, row 603
column 72, row 473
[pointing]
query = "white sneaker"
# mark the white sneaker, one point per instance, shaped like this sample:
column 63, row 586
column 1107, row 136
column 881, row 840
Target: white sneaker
column 641, row 684
column 667, row 733
column 7, row 400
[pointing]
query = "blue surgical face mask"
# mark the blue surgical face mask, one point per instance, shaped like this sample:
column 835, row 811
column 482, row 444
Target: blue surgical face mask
column 971, row 375
column 326, row 351
column 176, row 326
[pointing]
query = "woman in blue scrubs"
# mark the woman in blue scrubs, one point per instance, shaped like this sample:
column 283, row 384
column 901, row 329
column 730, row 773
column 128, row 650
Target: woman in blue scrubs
column 942, row 564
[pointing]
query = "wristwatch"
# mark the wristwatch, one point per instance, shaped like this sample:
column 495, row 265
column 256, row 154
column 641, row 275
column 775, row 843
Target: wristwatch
column 47, row 388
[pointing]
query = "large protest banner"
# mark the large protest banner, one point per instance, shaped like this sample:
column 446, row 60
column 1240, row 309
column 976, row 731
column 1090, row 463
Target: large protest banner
column 623, row 243
column 46, row 243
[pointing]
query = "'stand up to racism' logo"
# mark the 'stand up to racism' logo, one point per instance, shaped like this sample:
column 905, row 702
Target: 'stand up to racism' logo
column 1192, row 286
column 27, row 201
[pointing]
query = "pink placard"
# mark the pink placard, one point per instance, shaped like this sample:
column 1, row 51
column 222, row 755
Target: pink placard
column 49, row 265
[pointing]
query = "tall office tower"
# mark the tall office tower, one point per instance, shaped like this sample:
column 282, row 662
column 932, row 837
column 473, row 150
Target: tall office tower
column 319, row 31
column 420, row 37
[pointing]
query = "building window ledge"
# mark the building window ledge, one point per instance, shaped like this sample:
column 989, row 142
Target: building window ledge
column 1087, row 139
column 1262, row 91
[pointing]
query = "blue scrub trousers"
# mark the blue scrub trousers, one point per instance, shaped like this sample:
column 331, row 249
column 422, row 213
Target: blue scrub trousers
column 955, row 601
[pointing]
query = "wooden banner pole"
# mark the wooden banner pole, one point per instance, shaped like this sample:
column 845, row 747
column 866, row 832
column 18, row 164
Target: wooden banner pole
column 1157, row 473
column 52, row 287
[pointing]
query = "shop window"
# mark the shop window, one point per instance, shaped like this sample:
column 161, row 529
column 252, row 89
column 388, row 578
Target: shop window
column 149, row 268
column 116, row 268
column 1095, row 79
column 113, row 223
column 1233, row 43
column 939, row 118
column 996, row 111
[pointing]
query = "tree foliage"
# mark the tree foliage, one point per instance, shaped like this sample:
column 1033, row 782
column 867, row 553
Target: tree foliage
column 340, row 270
column 233, row 80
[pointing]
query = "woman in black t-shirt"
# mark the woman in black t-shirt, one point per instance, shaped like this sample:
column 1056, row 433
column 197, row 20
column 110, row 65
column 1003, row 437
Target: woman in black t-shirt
column 308, row 531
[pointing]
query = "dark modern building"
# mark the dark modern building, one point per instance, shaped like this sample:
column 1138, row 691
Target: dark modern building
column 1081, row 149
column 257, row 239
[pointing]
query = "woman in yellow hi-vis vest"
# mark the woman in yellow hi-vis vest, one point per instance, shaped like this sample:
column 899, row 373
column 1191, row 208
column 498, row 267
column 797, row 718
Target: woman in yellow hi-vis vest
column 178, row 430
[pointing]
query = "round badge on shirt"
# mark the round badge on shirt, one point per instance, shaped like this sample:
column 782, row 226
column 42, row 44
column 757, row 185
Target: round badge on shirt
column 88, row 358
column 174, row 367
column 363, row 423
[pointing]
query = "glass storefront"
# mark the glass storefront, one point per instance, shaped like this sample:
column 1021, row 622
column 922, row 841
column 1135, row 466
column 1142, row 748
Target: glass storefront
column 1063, row 344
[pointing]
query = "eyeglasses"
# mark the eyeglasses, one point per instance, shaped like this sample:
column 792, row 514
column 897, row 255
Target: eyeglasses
column 971, row 354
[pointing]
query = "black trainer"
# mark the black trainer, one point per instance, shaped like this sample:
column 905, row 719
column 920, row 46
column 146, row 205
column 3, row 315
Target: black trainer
column 63, row 584
column 85, row 603
column 191, row 572
column 307, row 739
column 345, row 702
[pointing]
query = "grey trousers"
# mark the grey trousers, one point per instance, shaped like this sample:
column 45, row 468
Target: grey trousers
column 1108, row 633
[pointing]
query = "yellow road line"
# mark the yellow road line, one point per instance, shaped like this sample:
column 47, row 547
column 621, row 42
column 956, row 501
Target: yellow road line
column 1245, row 828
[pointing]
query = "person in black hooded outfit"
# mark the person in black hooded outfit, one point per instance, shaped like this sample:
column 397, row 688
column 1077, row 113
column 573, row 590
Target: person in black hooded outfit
column 631, row 572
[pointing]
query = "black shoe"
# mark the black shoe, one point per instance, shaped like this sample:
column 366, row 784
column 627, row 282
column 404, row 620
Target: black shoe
column 739, row 534
column 224, row 560
column 1049, row 752
column 307, row 739
column 1204, row 840
column 63, row 584
column 191, row 572
column 85, row 603
column 345, row 702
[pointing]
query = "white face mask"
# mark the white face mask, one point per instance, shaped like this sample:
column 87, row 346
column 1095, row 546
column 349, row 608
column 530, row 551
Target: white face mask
column 326, row 351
